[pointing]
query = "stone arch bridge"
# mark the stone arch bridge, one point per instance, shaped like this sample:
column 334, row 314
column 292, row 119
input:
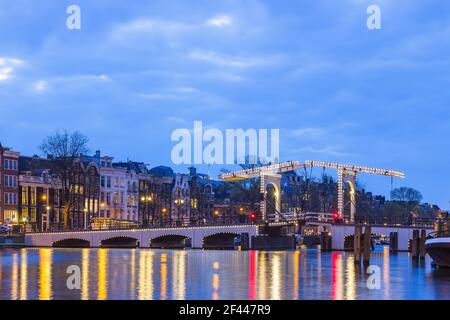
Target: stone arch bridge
column 142, row 237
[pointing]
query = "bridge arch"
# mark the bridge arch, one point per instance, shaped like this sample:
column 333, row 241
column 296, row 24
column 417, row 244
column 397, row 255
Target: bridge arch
column 219, row 240
column 71, row 243
column 171, row 241
column 119, row 242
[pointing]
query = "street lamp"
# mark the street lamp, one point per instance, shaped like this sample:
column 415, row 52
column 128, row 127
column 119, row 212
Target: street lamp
column 85, row 210
column 47, row 219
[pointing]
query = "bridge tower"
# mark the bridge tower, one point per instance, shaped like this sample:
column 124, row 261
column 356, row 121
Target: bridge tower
column 271, row 174
column 268, row 175
column 266, row 179
column 347, row 174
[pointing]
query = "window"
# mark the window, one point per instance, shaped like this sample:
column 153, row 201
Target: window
column 10, row 216
column 10, row 198
column 24, row 200
column 56, row 198
column 10, row 164
column 33, row 214
column 24, row 214
column 108, row 182
column 33, row 196
column 108, row 198
column 102, row 181
column 10, row 181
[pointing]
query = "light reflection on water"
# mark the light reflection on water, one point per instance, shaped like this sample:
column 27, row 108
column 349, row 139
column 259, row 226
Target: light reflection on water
column 146, row 274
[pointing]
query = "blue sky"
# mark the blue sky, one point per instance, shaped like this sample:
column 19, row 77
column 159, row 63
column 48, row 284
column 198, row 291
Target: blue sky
column 336, row 90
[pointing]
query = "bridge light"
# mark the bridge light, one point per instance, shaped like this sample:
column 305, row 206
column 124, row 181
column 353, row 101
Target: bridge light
column 336, row 216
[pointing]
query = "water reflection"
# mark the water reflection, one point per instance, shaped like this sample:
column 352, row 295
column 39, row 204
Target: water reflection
column 14, row 277
column 23, row 274
column 195, row 274
column 85, row 274
column 145, row 289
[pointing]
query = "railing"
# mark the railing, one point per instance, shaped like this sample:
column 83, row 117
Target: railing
column 415, row 222
column 227, row 221
column 170, row 223
column 443, row 229
column 440, row 234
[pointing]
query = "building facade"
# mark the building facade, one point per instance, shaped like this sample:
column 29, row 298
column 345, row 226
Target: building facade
column 9, row 186
column 40, row 205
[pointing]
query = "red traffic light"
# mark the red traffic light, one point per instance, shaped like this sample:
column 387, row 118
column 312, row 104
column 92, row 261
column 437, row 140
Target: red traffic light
column 335, row 216
column 253, row 216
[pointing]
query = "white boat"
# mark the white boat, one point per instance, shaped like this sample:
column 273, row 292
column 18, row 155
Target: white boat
column 438, row 246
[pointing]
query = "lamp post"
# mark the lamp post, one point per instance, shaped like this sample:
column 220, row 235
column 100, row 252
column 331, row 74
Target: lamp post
column 45, row 218
column 164, row 213
column 85, row 210
column 179, row 202
column 146, row 200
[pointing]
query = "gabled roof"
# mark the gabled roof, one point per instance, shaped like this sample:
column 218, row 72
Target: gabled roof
column 138, row 167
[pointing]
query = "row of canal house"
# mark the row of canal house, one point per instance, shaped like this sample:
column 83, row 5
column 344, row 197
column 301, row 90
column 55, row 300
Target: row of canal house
column 104, row 194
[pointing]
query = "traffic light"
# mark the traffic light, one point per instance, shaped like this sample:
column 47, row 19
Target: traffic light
column 253, row 216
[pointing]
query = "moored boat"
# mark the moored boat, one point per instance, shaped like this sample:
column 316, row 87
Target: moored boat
column 438, row 244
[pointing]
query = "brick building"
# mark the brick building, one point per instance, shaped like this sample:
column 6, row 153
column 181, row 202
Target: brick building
column 9, row 186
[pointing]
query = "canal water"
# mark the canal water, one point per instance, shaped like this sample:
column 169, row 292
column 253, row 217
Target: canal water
column 41, row 273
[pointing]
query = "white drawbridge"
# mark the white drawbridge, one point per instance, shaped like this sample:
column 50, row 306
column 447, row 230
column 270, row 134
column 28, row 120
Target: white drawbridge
column 271, row 175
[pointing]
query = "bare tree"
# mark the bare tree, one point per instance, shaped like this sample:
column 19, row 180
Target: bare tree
column 405, row 194
column 407, row 198
column 63, row 148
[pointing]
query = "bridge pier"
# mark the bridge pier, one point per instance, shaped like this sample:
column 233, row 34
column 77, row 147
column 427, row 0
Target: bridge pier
column 144, row 241
column 404, row 234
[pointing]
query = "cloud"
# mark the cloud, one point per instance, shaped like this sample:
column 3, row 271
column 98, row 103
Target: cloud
column 147, row 25
column 216, row 58
column 40, row 86
column 43, row 85
column 220, row 21
column 307, row 132
column 8, row 66
column 185, row 90
column 327, row 151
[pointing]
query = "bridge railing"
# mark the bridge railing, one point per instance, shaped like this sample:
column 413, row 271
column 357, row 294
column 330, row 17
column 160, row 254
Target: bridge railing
column 305, row 216
column 419, row 222
column 329, row 218
column 165, row 223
